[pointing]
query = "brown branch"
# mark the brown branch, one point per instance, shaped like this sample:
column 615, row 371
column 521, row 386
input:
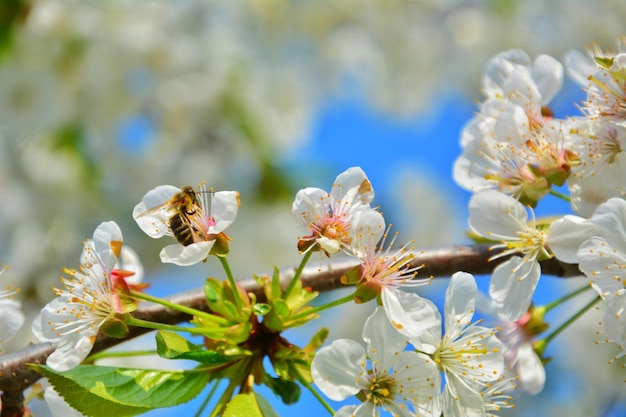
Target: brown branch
column 438, row 262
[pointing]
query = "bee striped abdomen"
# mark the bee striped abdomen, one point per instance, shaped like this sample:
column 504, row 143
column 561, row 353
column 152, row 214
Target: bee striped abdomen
column 181, row 229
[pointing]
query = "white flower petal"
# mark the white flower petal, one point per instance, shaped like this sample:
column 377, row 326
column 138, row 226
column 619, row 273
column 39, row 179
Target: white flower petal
column 512, row 286
column 352, row 189
column 336, row 369
column 548, row 75
column 459, row 400
column 610, row 217
column 615, row 323
column 415, row 317
column 11, row 318
column 497, row 215
column 354, row 411
column 604, row 266
column 367, row 228
column 511, row 126
column 309, row 205
column 71, row 351
column 499, row 70
column 567, row 234
column 224, row 209
column 459, row 305
column 186, row 255
column 384, row 342
column 532, row 374
column 107, row 244
column 419, row 381
column 155, row 223
column 579, row 67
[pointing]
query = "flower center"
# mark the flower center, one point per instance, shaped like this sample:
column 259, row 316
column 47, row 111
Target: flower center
column 381, row 390
column 333, row 228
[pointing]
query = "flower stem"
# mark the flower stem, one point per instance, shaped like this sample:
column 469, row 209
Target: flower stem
column 132, row 321
column 207, row 399
column 224, row 399
column 313, row 391
column 192, row 311
column 323, row 307
column 560, row 195
column 296, row 276
column 561, row 300
column 231, row 280
column 540, row 346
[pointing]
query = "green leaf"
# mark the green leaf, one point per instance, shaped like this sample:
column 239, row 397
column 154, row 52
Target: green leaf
column 212, row 290
column 238, row 333
column 83, row 400
column 106, row 391
column 317, row 340
column 276, row 291
column 243, row 405
column 261, row 309
column 288, row 391
column 265, row 406
column 282, row 309
column 174, row 346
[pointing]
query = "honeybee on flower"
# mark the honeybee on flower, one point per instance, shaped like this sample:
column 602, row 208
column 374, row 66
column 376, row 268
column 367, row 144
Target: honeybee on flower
column 196, row 222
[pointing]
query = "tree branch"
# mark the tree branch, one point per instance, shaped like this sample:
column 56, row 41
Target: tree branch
column 438, row 262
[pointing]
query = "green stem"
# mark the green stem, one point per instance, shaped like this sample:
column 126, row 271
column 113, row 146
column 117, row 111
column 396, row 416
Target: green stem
column 132, row 321
column 558, row 302
column 188, row 310
column 313, row 391
column 125, row 354
column 224, row 399
column 207, row 399
column 323, row 307
column 541, row 345
column 296, row 277
column 560, row 195
column 231, row 280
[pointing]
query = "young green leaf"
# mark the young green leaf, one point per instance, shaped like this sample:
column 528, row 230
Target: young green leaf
column 84, row 401
column 243, row 405
column 174, row 346
column 97, row 390
column 288, row 391
column 265, row 406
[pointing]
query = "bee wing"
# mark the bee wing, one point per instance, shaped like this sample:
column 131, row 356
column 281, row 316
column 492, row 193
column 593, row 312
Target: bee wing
column 153, row 211
column 166, row 208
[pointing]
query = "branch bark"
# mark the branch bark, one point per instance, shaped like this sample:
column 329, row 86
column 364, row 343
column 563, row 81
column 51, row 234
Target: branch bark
column 438, row 262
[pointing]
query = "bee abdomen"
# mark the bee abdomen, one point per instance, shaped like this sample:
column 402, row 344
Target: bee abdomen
column 181, row 229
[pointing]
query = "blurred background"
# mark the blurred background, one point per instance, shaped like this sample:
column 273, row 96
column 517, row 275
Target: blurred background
column 100, row 101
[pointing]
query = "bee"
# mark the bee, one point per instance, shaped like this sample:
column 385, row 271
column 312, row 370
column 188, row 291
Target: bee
column 185, row 207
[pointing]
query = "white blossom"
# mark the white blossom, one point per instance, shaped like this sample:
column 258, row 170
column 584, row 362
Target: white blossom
column 73, row 318
column 499, row 217
column 469, row 355
column 328, row 217
column 402, row 382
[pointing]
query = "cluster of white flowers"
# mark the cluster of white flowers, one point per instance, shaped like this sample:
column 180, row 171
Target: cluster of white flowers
column 404, row 382
column 515, row 152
